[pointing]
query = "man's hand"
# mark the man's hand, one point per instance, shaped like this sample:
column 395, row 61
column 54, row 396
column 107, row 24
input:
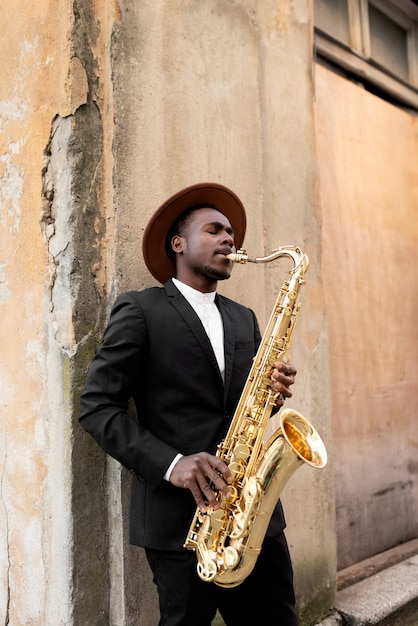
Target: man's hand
column 198, row 472
column 283, row 376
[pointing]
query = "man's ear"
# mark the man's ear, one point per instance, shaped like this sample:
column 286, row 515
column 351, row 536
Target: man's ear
column 177, row 244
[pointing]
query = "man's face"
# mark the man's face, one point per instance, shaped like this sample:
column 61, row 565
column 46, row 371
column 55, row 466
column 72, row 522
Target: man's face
column 206, row 238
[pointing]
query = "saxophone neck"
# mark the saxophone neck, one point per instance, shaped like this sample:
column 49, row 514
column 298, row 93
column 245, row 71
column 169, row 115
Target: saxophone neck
column 299, row 258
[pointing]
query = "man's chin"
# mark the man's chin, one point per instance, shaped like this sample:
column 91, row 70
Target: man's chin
column 222, row 274
column 212, row 274
column 224, row 277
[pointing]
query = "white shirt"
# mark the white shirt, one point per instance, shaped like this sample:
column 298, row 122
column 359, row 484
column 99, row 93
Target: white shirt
column 208, row 312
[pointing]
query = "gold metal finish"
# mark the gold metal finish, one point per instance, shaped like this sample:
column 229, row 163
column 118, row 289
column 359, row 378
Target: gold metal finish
column 228, row 541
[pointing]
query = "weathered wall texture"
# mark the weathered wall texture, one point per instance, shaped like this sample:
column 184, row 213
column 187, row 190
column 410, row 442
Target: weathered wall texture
column 106, row 109
column 368, row 156
column 51, row 144
column 35, row 525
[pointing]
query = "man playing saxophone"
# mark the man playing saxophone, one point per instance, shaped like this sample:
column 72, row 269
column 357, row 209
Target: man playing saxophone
column 182, row 352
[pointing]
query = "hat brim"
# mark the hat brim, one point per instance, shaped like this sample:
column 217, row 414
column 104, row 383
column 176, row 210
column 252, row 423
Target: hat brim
column 153, row 243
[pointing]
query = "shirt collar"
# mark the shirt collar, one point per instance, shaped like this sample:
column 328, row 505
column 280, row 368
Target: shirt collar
column 193, row 294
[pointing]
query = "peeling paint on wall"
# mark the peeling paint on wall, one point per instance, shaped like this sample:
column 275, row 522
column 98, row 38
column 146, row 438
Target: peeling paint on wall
column 11, row 175
column 4, row 286
column 58, row 230
column 76, row 88
column 34, row 581
column 11, row 185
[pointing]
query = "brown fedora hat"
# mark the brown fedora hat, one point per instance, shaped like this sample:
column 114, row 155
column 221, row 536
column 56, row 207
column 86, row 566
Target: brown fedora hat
column 154, row 241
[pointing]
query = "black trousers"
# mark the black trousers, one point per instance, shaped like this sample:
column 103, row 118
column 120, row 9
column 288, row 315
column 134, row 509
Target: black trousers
column 266, row 597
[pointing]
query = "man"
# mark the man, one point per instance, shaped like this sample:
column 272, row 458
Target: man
column 183, row 353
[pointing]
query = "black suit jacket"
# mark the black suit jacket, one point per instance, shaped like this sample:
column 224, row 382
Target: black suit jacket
column 156, row 351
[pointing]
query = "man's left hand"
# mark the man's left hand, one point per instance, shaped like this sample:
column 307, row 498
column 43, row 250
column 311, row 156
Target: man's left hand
column 283, row 375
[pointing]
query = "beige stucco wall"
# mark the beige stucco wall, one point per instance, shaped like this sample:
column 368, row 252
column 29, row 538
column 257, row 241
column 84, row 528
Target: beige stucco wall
column 106, row 108
column 43, row 84
column 33, row 513
column 368, row 157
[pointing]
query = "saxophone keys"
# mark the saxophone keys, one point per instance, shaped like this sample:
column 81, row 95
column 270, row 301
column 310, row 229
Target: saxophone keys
column 234, row 495
column 230, row 557
column 237, row 470
column 241, row 451
column 207, row 571
column 252, row 490
column 217, row 519
column 267, row 380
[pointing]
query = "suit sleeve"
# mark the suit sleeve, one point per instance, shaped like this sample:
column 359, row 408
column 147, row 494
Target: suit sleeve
column 111, row 381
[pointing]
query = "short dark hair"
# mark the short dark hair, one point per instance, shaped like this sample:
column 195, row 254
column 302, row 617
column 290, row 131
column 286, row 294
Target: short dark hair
column 178, row 226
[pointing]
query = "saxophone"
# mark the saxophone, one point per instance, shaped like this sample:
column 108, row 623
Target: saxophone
column 227, row 541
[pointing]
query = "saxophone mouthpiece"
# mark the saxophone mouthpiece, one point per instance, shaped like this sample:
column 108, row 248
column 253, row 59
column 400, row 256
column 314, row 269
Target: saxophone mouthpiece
column 240, row 256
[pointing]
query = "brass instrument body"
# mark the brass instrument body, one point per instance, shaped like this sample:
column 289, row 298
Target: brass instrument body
column 227, row 541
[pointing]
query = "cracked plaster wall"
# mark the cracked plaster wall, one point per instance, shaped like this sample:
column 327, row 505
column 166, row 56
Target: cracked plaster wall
column 50, row 109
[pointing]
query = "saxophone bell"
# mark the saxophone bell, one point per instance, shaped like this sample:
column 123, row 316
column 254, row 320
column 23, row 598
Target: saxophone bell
column 303, row 438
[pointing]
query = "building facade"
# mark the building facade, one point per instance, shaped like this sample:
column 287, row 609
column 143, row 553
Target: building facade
column 105, row 110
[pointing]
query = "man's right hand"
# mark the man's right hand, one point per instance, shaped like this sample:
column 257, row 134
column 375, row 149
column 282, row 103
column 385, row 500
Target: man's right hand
column 201, row 473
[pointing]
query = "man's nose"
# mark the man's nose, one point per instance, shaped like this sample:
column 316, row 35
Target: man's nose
column 228, row 238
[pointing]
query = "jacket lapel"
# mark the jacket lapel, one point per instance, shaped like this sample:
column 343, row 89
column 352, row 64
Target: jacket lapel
column 191, row 318
column 229, row 340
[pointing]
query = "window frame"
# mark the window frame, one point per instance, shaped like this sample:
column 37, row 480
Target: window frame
column 356, row 58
